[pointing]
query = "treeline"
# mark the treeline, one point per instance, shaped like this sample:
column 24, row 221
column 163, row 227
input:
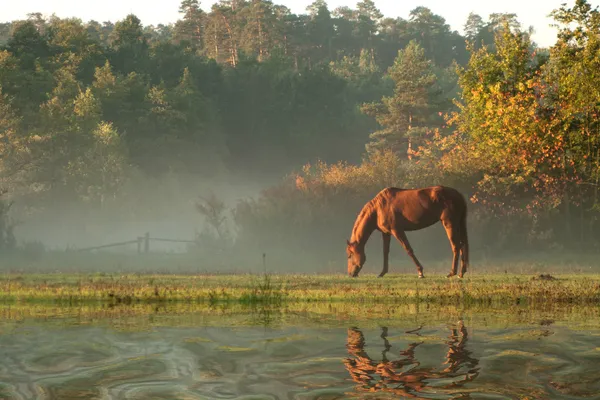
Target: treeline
column 249, row 87
column 246, row 86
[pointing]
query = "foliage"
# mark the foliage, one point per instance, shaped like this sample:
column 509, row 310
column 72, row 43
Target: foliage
column 248, row 85
column 250, row 88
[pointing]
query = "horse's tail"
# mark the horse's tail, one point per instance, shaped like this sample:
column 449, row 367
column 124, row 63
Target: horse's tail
column 464, row 236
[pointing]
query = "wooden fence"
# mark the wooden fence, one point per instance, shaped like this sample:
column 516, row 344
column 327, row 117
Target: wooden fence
column 143, row 243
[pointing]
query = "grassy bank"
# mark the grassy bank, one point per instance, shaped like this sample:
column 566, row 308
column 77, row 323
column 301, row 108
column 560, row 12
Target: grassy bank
column 140, row 317
column 497, row 289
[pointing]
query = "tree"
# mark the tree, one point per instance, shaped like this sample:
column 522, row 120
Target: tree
column 433, row 33
column 344, row 41
column 27, row 44
column 395, row 35
column 70, row 40
column 320, row 31
column 223, row 33
column 368, row 18
column 260, row 33
column 572, row 92
column 473, row 26
column 189, row 31
column 131, row 46
column 403, row 116
column 509, row 146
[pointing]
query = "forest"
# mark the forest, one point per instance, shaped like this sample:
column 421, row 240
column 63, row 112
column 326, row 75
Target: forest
column 334, row 105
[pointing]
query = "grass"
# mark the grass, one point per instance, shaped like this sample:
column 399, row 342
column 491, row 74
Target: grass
column 496, row 289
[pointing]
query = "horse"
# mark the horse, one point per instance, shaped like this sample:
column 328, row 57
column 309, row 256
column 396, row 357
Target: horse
column 394, row 211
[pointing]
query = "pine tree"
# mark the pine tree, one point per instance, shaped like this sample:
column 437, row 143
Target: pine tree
column 189, row 31
column 404, row 116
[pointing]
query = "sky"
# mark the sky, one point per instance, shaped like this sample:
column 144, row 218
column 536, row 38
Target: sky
column 530, row 12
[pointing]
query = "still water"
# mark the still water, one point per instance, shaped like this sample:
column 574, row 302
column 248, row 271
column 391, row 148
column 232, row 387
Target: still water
column 429, row 355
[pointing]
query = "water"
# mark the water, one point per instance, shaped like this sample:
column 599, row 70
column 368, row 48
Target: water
column 216, row 354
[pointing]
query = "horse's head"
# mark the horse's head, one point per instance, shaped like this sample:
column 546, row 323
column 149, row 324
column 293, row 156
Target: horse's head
column 356, row 258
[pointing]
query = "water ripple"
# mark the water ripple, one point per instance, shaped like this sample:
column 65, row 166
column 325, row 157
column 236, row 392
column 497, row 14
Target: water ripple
column 434, row 361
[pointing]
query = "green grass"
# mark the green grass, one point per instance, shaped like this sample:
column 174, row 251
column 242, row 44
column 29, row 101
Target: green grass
column 497, row 289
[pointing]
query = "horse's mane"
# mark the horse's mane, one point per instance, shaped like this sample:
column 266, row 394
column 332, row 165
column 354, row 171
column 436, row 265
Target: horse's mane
column 367, row 212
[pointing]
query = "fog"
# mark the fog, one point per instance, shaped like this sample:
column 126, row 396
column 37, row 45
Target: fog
column 163, row 207
column 54, row 238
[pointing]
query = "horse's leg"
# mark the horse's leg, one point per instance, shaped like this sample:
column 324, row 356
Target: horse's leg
column 386, row 344
column 455, row 242
column 464, row 257
column 464, row 250
column 386, row 252
column 401, row 237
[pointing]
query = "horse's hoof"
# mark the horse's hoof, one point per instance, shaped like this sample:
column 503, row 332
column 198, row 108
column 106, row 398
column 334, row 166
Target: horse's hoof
column 450, row 275
column 380, row 275
column 421, row 276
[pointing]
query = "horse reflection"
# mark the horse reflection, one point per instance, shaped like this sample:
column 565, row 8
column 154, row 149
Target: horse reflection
column 404, row 376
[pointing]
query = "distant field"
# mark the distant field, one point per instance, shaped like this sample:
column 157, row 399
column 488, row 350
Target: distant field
column 480, row 289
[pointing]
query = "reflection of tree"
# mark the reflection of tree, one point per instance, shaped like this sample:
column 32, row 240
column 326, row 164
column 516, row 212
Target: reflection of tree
column 404, row 376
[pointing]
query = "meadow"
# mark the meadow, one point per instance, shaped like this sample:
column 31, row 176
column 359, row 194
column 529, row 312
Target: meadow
column 480, row 289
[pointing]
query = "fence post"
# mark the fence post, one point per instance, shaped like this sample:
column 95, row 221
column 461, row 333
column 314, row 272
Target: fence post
column 147, row 242
column 140, row 239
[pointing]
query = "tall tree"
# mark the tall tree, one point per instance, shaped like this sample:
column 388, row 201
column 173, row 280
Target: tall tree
column 573, row 90
column 190, row 29
column 320, row 31
column 473, row 26
column 431, row 31
column 260, row 33
column 131, row 45
column 368, row 19
column 223, row 32
column 404, row 116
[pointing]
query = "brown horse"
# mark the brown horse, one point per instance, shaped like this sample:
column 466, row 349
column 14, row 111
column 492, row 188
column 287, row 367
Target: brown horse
column 394, row 211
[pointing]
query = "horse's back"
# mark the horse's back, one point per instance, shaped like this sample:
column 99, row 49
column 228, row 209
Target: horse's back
column 421, row 207
column 435, row 193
